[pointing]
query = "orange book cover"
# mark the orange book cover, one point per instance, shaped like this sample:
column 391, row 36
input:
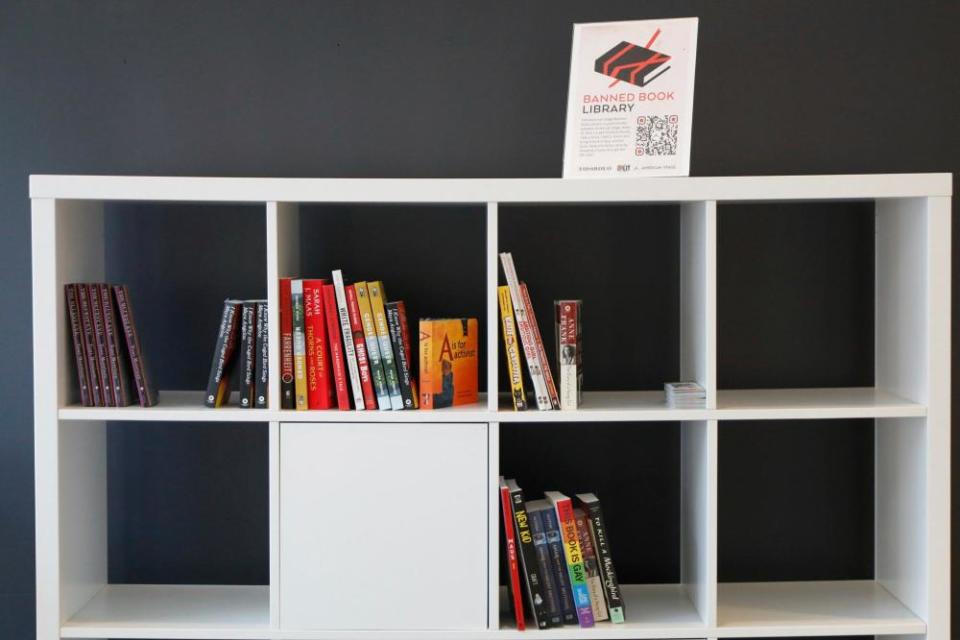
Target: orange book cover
column 448, row 362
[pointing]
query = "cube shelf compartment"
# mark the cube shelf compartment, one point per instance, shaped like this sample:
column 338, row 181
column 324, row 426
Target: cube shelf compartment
column 906, row 400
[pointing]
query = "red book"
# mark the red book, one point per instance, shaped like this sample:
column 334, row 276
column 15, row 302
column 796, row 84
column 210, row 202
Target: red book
column 360, row 345
column 336, row 347
column 320, row 394
column 506, row 504
column 287, row 400
column 544, row 363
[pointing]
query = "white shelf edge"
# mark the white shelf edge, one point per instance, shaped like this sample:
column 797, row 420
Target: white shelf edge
column 482, row 191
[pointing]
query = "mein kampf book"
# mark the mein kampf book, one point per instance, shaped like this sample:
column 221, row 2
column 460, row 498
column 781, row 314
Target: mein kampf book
column 513, row 567
column 142, row 379
column 569, row 352
column 543, row 513
column 373, row 347
column 601, row 543
column 541, row 352
column 408, row 349
column 511, row 348
column 574, row 556
column 349, row 351
column 287, row 400
column 360, row 344
column 218, row 385
column 377, row 300
column 299, row 346
column 591, row 567
column 528, row 556
column 525, row 329
column 263, row 356
column 79, row 356
column 320, row 394
column 100, row 337
column 89, row 344
column 448, row 362
column 247, row 354
column 404, row 372
column 117, row 357
column 336, row 347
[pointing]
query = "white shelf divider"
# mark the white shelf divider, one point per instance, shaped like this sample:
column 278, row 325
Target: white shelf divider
column 698, row 516
column 698, row 296
column 493, row 306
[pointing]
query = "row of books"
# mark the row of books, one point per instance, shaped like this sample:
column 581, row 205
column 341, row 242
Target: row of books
column 111, row 370
column 241, row 354
column 558, row 555
column 521, row 333
column 346, row 346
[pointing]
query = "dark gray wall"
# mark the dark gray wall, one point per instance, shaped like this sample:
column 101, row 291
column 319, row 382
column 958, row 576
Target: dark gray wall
column 439, row 89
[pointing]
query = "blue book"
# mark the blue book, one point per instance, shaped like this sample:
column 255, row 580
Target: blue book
column 558, row 562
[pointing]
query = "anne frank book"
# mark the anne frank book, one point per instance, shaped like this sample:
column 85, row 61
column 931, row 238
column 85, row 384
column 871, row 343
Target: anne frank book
column 373, row 347
column 142, row 379
column 76, row 331
column 263, row 356
column 591, row 567
column 299, row 346
column 528, row 557
column 404, row 372
column 119, row 371
column 247, row 355
column 336, row 347
column 100, row 342
column 287, row 400
column 569, row 352
column 574, row 556
column 511, row 349
column 541, row 352
column 377, row 300
column 360, row 344
column 513, row 568
column 90, row 345
column 218, row 384
column 601, row 543
column 448, row 362
column 542, row 514
column 320, row 394
column 524, row 328
column 349, row 350
column 407, row 349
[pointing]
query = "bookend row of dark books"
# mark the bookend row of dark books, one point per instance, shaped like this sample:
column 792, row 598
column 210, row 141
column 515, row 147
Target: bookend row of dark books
column 111, row 369
column 558, row 556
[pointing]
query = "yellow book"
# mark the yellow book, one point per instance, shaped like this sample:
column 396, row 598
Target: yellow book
column 299, row 346
column 373, row 346
column 377, row 297
column 512, row 348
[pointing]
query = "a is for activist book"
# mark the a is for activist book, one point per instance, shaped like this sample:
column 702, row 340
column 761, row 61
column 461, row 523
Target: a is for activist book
column 448, row 362
column 630, row 102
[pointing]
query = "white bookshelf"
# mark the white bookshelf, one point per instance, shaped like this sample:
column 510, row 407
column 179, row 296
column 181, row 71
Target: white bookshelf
column 311, row 452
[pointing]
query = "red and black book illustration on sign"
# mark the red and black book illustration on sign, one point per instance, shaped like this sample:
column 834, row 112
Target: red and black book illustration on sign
column 632, row 63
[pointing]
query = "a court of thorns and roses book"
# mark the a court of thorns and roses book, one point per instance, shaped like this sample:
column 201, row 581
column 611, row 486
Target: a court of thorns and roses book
column 559, row 564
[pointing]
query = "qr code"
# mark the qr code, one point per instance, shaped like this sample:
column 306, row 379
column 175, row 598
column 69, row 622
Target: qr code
column 657, row 135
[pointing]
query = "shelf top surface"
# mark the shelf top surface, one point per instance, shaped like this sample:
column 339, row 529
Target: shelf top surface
column 482, row 190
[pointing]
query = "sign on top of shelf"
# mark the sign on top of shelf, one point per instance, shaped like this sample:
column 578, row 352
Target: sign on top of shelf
column 630, row 104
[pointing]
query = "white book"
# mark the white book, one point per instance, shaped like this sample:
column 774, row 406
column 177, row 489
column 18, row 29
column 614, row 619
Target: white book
column 526, row 334
column 350, row 353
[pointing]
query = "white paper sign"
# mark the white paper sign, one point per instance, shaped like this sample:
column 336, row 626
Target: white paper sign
column 630, row 105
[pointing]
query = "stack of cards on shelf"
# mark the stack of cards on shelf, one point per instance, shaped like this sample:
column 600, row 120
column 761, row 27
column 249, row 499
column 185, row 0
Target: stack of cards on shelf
column 685, row 395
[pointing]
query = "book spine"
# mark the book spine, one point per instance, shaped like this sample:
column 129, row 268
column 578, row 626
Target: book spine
column 551, row 593
column 349, row 350
column 591, row 567
column 526, row 334
column 408, row 349
column 511, row 349
column 336, row 347
column 559, row 564
column 373, row 346
column 299, row 346
column 141, row 377
column 512, row 564
column 319, row 380
column 118, row 360
column 541, row 352
column 359, row 343
column 287, row 387
column 528, row 560
column 263, row 356
column 404, row 374
column 113, row 365
column 567, row 353
column 387, row 357
column 574, row 556
column 90, row 345
column 426, row 372
column 246, row 357
column 103, row 356
column 80, row 357
column 607, row 572
column 218, row 384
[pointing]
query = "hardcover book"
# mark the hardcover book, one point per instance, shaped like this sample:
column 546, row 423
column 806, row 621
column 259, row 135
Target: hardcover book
column 218, row 384
column 320, row 393
column 336, row 347
column 287, row 400
column 90, row 345
column 408, row 349
column 100, row 343
column 574, row 556
column 525, row 329
column 79, row 356
column 377, row 300
column 548, row 579
column 247, row 354
column 299, row 346
column 143, row 381
column 448, row 362
column 404, row 373
column 360, row 345
column 373, row 346
column 541, row 351
column 569, row 352
column 601, row 543
column 263, row 355
column 513, row 567
column 349, row 350
column 511, row 349
column 528, row 556
column 591, row 567
column 558, row 561
column 117, row 359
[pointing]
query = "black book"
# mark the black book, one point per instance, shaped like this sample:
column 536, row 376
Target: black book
column 146, row 392
column 263, row 356
column 218, row 385
column 404, row 372
column 558, row 560
column 76, row 331
column 89, row 345
column 528, row 557
column 611, row 586
column 116, row 349
column 547, row 575
column 247, row 355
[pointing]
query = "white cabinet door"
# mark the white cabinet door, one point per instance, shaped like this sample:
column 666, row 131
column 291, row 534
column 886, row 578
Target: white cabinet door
column 383, row 526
